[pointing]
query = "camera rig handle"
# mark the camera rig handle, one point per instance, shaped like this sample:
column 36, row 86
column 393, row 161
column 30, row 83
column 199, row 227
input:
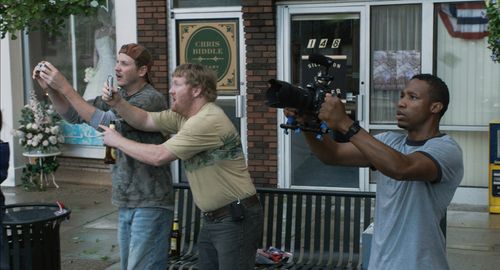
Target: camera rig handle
column 319, row 128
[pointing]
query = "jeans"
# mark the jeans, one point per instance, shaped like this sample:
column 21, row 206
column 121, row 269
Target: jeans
column 225, row 244
column 144, row 237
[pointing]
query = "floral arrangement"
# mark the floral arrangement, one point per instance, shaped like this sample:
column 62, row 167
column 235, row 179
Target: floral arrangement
column 40, row 129
column 493, row 15
column 89, row 74
column 39, row 132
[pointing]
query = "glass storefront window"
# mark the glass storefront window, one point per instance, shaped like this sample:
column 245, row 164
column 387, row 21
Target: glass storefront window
column 465, row 65
column 463, row 61
column 85, row 54
column 395, row 56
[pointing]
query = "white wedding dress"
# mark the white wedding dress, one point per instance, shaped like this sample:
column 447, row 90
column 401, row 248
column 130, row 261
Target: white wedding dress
column 105, row 47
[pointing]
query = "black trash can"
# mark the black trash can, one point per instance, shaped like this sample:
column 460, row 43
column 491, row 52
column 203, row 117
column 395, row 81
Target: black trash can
column 31, row 236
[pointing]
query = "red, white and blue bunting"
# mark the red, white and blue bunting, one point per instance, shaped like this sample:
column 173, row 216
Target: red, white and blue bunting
column 465, row 20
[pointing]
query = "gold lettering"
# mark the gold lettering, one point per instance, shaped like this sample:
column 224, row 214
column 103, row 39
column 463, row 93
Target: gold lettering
column 210, row 51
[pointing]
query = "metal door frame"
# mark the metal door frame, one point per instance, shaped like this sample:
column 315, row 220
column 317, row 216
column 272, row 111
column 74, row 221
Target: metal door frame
column 212, row 13
column 284, row 16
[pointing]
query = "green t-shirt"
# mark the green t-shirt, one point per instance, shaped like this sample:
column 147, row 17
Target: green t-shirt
column 210, row 148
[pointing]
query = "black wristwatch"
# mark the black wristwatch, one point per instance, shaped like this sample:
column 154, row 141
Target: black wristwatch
column 353, row 129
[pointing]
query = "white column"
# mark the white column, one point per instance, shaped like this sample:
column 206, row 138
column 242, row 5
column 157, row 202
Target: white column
column 126, row 22
column 11, row 102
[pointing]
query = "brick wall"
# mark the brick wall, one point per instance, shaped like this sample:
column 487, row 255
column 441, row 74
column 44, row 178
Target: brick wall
column 152, row 33
column 260, row 39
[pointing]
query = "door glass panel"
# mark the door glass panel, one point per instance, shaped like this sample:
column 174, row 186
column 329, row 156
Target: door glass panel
column 336, row 36
column 229, row 107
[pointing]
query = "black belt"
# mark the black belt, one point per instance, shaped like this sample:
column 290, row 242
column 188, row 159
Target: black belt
column 226, row 210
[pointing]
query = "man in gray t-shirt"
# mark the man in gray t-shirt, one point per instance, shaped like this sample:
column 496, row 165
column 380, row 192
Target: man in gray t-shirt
column 418, row 173
column 142, row 192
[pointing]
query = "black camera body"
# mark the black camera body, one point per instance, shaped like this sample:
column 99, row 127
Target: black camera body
column 306, row 100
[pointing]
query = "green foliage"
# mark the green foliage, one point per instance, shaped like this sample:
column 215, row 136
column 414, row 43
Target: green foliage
column 31, row 173
column 42, row 15
column 493, row 14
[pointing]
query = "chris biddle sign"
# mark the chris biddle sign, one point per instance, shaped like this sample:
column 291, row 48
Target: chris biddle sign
column 212, row 44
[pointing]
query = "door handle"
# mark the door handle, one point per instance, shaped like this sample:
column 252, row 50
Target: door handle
column 360, row 99
column 240, row 104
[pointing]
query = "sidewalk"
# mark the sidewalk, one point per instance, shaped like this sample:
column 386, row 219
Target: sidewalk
column 88, row 239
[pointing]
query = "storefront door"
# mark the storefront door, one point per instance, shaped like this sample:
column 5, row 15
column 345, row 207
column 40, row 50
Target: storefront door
column 213, row 39
column 337, row 33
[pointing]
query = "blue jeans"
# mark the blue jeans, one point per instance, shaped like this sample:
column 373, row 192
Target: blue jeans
column 144, row 237
column 225, row 244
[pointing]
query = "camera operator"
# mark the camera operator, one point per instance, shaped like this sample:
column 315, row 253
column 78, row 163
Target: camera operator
column 420, row 171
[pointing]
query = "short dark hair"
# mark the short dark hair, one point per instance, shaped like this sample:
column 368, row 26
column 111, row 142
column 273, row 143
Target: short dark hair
column 438, row 89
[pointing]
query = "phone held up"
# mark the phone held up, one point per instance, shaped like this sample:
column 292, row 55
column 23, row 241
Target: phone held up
column 110, row 85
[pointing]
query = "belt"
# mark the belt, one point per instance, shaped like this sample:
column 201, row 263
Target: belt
column 226, row 210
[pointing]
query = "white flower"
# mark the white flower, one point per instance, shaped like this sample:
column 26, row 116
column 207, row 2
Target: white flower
column 28, row 126
column 34, row 143
column 94, row 3
column 60, row 138
column 29, row 135
column 17, row 133
column 39, row 136
column 34, row 126
column 54, row 130
column 89, row 74
column 47, row 130
column 45, row 143
column 53, row 139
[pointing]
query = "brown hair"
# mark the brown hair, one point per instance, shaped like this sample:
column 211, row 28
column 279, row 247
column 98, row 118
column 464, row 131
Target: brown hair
column 199, row 75
column 141, row 55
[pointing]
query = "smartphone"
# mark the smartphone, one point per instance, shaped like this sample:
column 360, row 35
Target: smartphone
column 110, row 85
column 39, row 67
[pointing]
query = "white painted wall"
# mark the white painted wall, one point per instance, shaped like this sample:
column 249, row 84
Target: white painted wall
column 11, row 102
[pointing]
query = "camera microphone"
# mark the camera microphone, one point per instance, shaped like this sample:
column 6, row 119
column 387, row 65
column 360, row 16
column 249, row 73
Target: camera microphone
column 320, row 60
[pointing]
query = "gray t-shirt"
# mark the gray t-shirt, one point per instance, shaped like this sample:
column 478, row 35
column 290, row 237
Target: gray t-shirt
column 135, row 184
column 407, row 234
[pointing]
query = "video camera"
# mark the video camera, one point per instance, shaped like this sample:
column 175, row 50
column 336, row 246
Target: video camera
column 308, row 101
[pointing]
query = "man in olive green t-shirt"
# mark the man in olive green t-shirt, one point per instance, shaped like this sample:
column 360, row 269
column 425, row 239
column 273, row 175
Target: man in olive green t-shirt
column 210, row 148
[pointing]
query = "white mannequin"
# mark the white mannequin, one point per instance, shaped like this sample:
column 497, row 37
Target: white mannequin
column 105, row 54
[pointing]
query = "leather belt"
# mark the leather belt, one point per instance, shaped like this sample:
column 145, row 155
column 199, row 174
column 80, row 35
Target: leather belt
column 226, row 210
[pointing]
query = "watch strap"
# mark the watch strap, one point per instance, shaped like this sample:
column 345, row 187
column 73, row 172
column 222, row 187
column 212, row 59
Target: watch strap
column 353, row 129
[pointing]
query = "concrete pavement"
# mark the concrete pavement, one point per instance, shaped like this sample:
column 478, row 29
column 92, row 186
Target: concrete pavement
column 88, row 238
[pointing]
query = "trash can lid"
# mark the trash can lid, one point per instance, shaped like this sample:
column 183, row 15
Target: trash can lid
column 32, row 213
